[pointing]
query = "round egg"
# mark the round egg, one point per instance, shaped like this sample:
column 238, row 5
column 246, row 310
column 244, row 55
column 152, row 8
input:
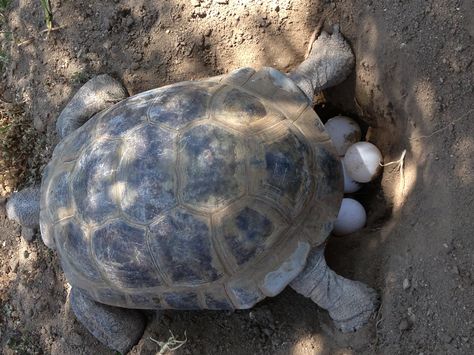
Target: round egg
column 344, row 132
column 350, row 185
column 351, row 217
column 363, row 161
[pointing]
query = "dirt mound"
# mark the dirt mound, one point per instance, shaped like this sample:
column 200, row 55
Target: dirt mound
column 412, row 85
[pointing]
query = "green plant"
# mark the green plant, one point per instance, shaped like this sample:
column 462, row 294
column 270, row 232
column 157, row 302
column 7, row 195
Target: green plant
column 3, row 59
column 22, row 344
column 8, row 35
column 4, row 4
column 5, row 128
column 80, row 77
column 21, row 148
column 48, row 14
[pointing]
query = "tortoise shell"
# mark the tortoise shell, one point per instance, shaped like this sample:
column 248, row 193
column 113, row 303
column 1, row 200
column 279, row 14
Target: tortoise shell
column 199, row 195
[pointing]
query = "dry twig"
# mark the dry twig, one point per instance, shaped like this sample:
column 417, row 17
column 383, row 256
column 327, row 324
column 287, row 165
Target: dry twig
column 171, row 344
column 401, row 163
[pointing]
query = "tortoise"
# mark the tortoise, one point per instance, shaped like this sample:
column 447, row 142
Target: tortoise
column 208, row 194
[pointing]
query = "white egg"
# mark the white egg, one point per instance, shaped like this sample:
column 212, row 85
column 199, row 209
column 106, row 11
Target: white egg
column 362, row 161
column 350, row 185
column 351, row 217
column 344, row 132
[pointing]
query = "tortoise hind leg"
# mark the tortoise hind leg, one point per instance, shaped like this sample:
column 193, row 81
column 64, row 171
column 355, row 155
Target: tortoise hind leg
column 24, row 207
column 115, row 327
column 349, row 303
column 97, row 94
column 329, row 63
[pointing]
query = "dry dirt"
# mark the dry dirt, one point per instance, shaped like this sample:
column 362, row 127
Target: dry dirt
column 413, row 85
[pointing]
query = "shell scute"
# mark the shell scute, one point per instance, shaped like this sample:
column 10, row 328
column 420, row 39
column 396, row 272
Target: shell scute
column 93, row 181
column 60, row 200
column 247, row 234
column 122, row 253
column 120, row 119
column 286, row 166
column 146, row 300
column 146, row 175
column 181, row 242
column 212, row 164
column 238, row 107
column 73, row 242
column 178, row 105
column 182, row 300
column 110, row 296
column 217, row 302
column 282, row 165
column 246, row 295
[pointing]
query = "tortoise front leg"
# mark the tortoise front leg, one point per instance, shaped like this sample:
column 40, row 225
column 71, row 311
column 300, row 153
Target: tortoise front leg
column 94, row 96
column 349, row 303
column 117, row 328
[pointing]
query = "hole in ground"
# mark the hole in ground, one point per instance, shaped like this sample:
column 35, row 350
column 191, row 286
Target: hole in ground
column 348, row 255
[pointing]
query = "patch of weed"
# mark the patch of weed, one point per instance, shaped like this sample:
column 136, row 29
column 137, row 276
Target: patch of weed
column 22, row 344
column 80, row 77
column 21, row 148
column 48, row 14
column 4, row 58
column 4, row 4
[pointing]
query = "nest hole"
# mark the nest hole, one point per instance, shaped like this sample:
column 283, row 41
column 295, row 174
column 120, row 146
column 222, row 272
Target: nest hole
column 347, row 255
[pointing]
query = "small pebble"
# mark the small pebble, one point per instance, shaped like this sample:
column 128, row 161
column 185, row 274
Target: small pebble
column 445, row 338
column 404, row 325
column 130, row 21
column 14, row 263
column 28, row 234
column 76, row 339
column 38, row 124
column 406, row 284
column 3, row 210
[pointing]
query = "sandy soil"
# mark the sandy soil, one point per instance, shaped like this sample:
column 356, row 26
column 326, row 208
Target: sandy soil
column 413, row 85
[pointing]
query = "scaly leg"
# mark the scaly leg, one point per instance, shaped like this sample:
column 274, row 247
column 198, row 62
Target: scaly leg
column 116, row 328
column 329, row 63
column 94, row 96
column 349, row 303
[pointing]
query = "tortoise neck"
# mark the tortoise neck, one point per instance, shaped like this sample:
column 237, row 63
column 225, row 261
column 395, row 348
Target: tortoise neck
column 303, row 82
